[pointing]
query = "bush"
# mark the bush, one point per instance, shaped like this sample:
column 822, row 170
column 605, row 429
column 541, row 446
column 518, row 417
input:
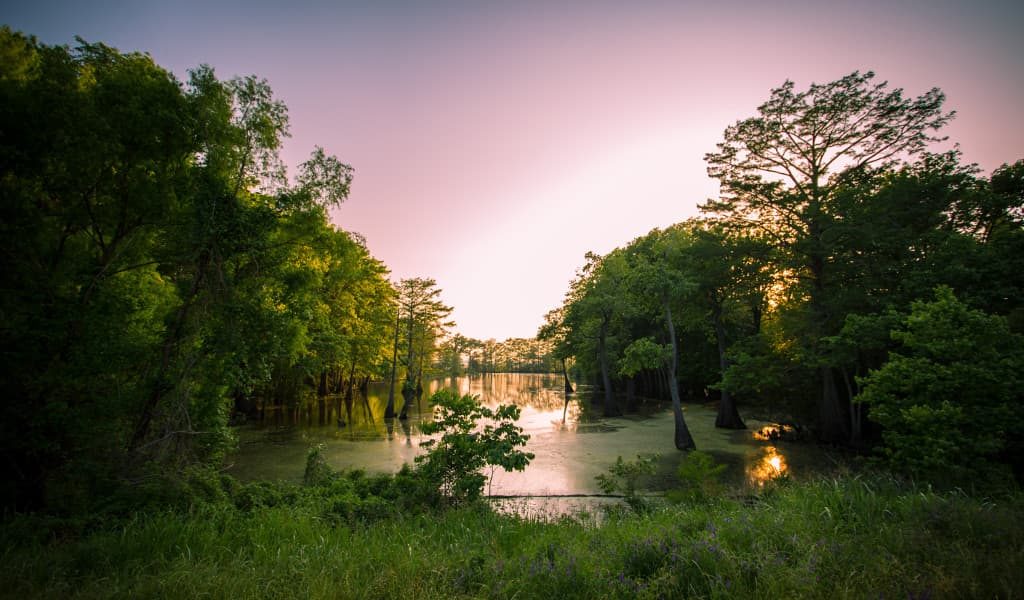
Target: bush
column 948, row 398
column 624, row 476
column 698, row 476
column 317, row 472
column 454, row 463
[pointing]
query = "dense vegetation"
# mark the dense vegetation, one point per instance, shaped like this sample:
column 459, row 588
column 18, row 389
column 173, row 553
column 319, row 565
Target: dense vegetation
column 159, row 269
column 838, row 539
column 846, row 280
column 161, row 274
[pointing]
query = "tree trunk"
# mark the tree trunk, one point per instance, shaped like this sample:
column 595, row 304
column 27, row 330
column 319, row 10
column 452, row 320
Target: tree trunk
column 683, row 439
column 389, row 412
column 408, row 393
column 610, row 408
column 408, row 388
column 321, row 388
column 367, row 410
column 321, row 397
column 160, row 384
column 855, row 411
column 728, row 416
column 351, row 384
column 832, row 421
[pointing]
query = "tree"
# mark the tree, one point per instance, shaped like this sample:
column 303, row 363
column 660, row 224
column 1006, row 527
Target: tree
column 778, row 172
column 143, row 221
column 730, row 273
column 949, row 396
column 452, row 351
column 554, row 330
column 96, row 152
column 454, row 462
column 657, row 283
column 594, row 308
column 424, row 317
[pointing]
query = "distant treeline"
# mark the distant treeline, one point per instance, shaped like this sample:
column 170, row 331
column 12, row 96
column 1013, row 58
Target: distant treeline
column 460, row 354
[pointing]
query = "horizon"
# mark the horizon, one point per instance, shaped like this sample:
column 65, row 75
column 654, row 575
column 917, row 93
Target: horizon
column 494, row 146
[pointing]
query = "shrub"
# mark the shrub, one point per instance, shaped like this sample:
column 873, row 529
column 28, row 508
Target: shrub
column 454, row 463
column 624, row 476
column 698, row 476
column 949, row 397
column 317, row 472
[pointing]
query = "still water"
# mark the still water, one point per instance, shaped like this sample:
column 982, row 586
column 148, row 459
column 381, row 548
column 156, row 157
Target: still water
column 568, row 453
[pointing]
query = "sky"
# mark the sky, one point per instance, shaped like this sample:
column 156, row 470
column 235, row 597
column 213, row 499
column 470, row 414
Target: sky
column 495, row 143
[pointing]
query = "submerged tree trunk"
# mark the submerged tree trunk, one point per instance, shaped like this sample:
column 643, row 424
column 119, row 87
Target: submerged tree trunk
column 389, row 412
column 408, row 388
column 321, row 397
column 683, row 439
column 728, row 416
column 568, row 384
column 349, row 386
column 610, row 408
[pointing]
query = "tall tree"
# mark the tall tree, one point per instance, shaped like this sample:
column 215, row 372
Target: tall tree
column 732, row 271
column 656, row 279
column 421, row 313
column 778, row 172
column 554, row 330
column 142, row 221
column 594, row 307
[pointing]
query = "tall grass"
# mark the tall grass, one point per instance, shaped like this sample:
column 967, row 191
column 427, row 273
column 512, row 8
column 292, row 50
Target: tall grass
column 832, row 538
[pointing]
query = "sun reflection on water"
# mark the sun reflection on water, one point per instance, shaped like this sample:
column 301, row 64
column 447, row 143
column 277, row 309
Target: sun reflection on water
column 770, row 465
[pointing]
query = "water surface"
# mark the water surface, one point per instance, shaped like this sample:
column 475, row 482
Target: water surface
column 568, row 454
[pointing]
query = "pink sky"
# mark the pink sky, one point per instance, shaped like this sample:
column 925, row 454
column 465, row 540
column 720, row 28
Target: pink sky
column 494, row 146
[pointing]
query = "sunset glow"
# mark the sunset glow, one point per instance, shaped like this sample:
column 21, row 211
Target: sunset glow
column 493, row 146
column 770, row 465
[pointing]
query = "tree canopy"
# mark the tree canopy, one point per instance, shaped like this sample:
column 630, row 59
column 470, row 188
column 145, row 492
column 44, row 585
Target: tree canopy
column 835, row 226
column 160, row 270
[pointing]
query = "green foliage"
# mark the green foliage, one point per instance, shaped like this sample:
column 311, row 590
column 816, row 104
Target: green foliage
column 844, row 538
column 643, row 354
column 833, row 218
column 949, row 396
column 317, row 472
column 141, row 220
column 454, row 463
column 625, row 477
column 698, row 475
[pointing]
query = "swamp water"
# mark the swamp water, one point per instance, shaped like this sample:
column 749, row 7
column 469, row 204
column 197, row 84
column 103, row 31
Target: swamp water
column 568, row 455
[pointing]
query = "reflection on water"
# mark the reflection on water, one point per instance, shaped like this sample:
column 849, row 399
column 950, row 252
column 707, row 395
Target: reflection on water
column 569, row 453
column 769, row 465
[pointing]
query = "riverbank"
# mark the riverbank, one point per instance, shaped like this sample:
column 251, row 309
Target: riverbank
column 849, row 537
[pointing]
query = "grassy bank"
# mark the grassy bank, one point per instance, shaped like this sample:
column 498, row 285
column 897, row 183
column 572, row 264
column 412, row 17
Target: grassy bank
column 842, row 538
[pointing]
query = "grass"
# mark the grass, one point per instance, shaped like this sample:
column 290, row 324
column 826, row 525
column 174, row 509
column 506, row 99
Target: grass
column 845, row 538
